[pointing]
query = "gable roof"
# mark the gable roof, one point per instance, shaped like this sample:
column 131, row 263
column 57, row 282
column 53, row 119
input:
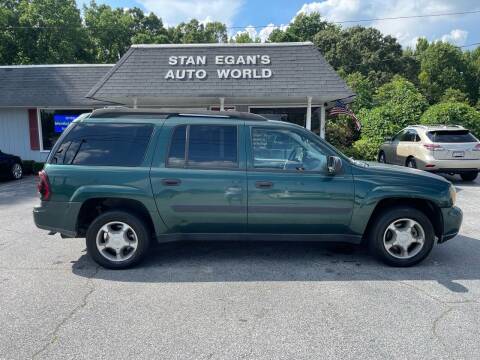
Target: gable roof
column 298, row 70
column 49, row 85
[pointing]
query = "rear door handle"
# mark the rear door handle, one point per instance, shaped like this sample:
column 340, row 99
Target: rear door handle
column 171, row 182
column 263, row 184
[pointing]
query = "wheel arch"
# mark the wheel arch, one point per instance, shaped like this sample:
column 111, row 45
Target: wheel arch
column 428, row 207
column 93, row 207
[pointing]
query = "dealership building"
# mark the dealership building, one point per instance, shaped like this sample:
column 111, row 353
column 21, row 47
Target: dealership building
column 284, row 81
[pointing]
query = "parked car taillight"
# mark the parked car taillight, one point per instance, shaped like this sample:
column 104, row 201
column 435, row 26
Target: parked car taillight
column 44, row 186
column 433, row 147
column 477, row 147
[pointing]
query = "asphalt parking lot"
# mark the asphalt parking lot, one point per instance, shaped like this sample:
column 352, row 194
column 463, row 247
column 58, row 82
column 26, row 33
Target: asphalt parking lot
column 234, row 300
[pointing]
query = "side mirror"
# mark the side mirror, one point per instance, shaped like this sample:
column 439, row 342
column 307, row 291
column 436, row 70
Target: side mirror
column 388, row 138
column 334, row 164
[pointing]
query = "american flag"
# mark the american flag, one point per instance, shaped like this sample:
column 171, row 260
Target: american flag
column 342, row 108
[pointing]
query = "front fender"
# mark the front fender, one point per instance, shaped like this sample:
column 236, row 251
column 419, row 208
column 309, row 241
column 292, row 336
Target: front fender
column 371, row 190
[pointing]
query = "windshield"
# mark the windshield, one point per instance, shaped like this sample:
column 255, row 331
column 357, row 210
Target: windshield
column 451, row 136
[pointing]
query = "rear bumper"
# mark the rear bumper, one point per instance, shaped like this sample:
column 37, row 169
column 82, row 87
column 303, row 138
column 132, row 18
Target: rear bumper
column 449, row 166
column 57, row 217
column 452, row 221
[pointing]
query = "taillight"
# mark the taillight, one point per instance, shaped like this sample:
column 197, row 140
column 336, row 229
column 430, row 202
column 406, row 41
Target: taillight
column 44, row 186
column 477, row 147
column 432, row 147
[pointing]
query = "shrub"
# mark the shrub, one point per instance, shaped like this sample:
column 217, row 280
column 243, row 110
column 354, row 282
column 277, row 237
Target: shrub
column 455, row 113
column 37, row 166
column 27, row 166
column 366, row 149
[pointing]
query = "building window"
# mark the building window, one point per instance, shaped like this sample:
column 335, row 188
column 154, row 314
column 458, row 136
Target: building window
column 295, row 115
column 53, row 122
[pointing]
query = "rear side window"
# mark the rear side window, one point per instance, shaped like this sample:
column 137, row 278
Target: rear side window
column 451, row 136
column 104, row 145
column 211, row 146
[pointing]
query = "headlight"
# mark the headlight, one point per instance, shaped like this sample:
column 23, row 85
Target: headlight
column 453, row 194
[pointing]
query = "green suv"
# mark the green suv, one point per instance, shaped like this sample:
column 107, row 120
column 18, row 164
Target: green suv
column 123, row 178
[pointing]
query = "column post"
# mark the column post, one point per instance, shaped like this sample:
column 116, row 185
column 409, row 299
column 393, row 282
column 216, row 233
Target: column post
column 322, row 121
column 222, row 104
column 308, row 121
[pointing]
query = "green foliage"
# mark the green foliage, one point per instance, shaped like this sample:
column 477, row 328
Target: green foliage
column 364, row 90
column 454, row 95
column 195, row 32
column 244, row 38
column 37, row 166
column 398, row 104
column 278, row 35
column 305, row 26
column 363, row 50
column 455, row 113
column 444, row 66
column 340, row 132
column 48, row 31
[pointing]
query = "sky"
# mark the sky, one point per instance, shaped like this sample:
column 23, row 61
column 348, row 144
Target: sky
column 246, row 15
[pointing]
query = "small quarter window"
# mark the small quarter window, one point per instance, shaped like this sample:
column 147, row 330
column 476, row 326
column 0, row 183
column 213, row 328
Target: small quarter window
column 176, row 156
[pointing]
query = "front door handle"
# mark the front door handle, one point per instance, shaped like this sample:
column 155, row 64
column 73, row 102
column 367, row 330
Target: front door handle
column 171, row 182
column 263, row 184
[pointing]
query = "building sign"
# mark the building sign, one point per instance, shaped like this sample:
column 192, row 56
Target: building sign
column 61, row 121
column 239, row 67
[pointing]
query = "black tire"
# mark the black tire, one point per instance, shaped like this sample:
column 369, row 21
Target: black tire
column 379, row 228
column 16, row 171
column 411, row 163
column 381, row 158
column 141, row 229
column 469, row 176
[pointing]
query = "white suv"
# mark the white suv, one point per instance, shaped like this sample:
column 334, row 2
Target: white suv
column 450, row 149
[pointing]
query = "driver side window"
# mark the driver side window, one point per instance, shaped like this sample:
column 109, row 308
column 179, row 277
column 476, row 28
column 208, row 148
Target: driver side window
column 283, row 149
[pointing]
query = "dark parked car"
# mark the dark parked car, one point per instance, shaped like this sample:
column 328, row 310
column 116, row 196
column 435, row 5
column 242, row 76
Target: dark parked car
column 10, row 166
column 124, row 177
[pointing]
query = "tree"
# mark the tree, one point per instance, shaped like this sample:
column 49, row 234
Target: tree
column 398, row 104
column 454, row 95
column 196, row 32
column 8, row 28
column 277, row 36
column 444, row 66
column 305, row 26
column 147, row 29
column 364, row 90
column 49, row 31
column 360, row 49
column 244, row 38
column 454, row 113
column 110, row 31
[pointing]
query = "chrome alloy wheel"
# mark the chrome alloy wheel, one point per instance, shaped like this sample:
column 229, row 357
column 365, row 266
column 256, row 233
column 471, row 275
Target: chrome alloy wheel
column 17, row 171
column 117, row 241
column 404, row 238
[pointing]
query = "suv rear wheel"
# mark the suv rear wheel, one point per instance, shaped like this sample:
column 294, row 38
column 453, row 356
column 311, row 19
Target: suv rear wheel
column 401, row 236
column 469, row 176
column 117, row 240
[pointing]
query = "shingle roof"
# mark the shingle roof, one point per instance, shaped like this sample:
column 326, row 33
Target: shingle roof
column 49, row 85
column 298, row 70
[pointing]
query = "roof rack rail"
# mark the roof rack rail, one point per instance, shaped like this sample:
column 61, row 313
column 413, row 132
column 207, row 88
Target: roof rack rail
column 165, row 113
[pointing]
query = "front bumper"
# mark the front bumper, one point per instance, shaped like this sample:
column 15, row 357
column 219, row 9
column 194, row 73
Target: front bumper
column 452, row 221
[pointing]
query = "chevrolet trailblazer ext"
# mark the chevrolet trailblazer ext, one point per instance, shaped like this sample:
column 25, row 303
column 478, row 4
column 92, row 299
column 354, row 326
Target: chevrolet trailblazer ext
column 124, row 177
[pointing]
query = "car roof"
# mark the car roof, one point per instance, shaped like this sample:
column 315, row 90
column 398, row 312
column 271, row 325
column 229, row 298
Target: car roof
column 165, row 113
column 436, row 127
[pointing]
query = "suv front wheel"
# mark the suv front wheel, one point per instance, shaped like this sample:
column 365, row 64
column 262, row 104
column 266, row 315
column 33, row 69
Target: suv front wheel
column 117, row 240
column 401, row 236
